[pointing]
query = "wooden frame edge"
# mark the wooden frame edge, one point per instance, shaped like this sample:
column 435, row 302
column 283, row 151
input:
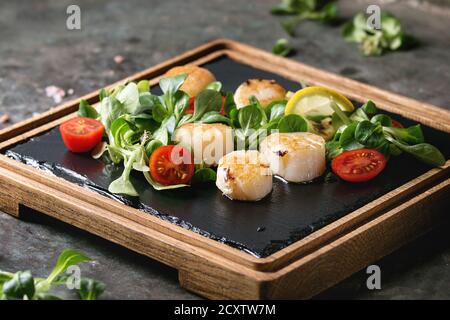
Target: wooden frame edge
column 391, row 101
column 228, row 44
column 92, row 97
column 214, row 276
column 360, row 247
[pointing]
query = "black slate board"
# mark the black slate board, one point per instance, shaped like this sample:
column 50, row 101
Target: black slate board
column 288, row 214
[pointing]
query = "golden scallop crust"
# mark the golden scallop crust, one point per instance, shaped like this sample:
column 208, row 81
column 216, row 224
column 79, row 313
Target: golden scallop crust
column 295, row 156
column 264, row 90
column 197, row 80
column 244, row 175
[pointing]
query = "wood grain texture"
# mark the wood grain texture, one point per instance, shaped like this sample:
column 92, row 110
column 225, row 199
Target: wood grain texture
column 352, row 252
column 9, row 204
column 208, row 267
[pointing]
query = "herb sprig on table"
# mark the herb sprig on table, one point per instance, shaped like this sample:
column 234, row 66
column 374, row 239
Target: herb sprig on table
column 322, row 11
column 372, row 42
column 375, row 42
column 282, row 48
column 22, row 284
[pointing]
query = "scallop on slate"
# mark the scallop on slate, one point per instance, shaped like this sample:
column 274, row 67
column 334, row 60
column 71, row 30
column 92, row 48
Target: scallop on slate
column 264, row 90
column 244, row 175
column 296, row 156
column 197, row 80
column 208, row 142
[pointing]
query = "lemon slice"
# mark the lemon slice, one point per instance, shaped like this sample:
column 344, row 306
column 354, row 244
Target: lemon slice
column 316, row 101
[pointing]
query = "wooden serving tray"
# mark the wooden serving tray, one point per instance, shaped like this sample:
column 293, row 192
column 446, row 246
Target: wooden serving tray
column 216, row 270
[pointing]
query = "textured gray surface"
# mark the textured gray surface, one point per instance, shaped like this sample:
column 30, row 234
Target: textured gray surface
column 37, row 51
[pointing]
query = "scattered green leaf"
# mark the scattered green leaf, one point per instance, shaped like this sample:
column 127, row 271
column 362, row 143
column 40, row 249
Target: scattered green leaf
column 282, row 48
column 90, row 289
column 374, row 42
column 20, row 286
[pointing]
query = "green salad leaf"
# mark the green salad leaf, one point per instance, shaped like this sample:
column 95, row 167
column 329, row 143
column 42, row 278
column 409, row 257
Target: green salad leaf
column 367, row 128
column 369, row 108
column 424, row 152
column 123, row 185
column 129, row 97
column 382, row 119
column 250, row 117
column 169, row 85
column 110, row 110
column 147, row 101
column 229, row 104
column 66, row 259
column 411, row 134
column 215, row 117
column 347, row 138
column 275, row 109
column 86, row 110
column 371, row 135
column 151, row 146
column 204, row 175
column 181, row 104
column 22, row 284
column 294, row 6
column 159, row 187
column 103, row 94
column 292, row 123
column 208, row 100
column 143, row 86
column 90, row 289
column 215, row 85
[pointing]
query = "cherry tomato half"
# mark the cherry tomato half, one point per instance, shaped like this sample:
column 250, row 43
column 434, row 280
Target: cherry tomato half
column 358, row 165
column 81, row 134
column 190, row 109
column 396, row 124
column 171, row 165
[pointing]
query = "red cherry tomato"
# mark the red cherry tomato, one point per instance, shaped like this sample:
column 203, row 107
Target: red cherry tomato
column 396, row 124
column 81, row 134
column 358, row 165
column 190, row 109
column 171, row 165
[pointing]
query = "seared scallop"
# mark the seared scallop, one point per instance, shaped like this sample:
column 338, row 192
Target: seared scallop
column 264, row 90
column 244, row 175
column 208, row 142
column 296, row 156
column 197, row 80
